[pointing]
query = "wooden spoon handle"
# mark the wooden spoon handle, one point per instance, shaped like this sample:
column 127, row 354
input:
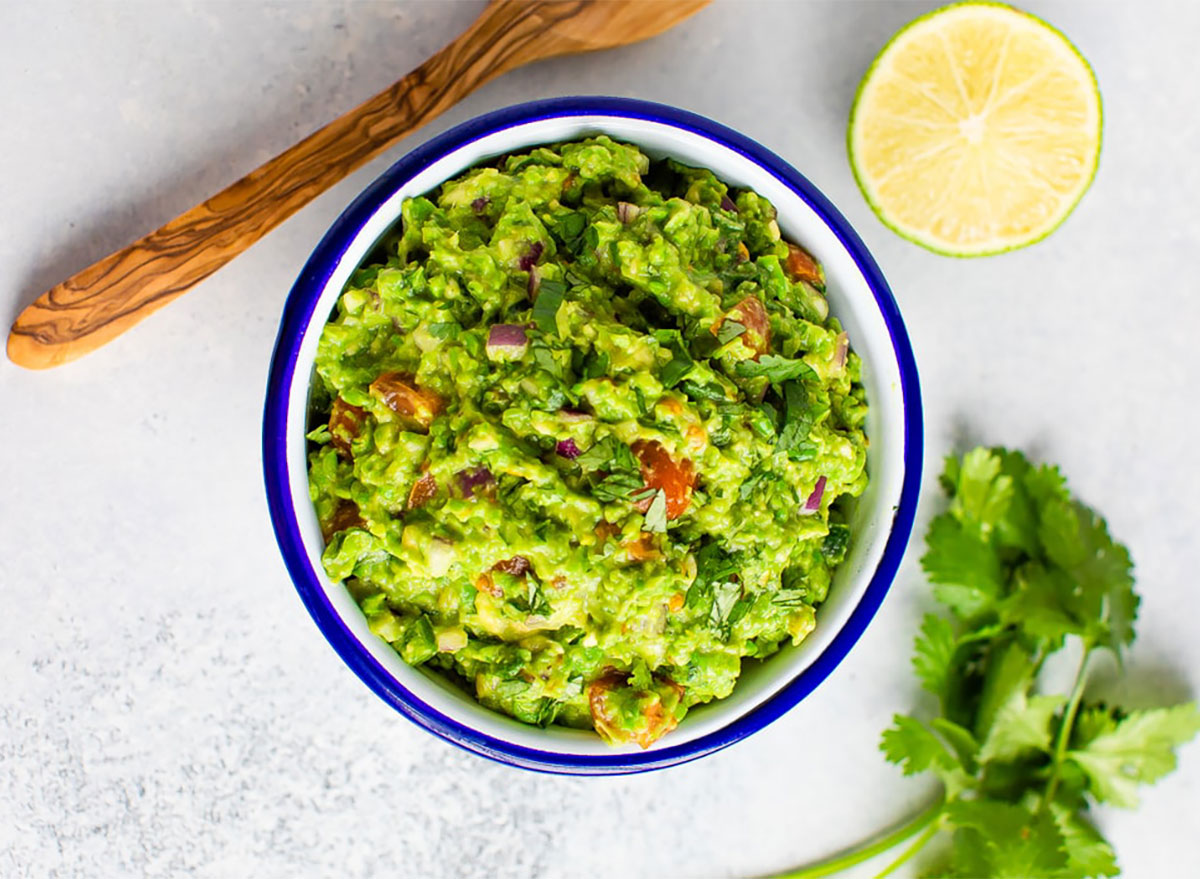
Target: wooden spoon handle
column 107, row 298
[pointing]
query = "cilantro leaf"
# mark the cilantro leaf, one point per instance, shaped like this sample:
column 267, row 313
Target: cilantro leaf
column 681, row 361
column 704, row 390
column 569, row 228
column 982, row 495
column 623, row 473
column 801, row 413
column 528, row 597
column 1017, row 528
column 1021, row 724
column 715, row 569
column 747, row 488
column 966, row 570
column 959, row 739
column 729, row 330
column 933, row 653
column 1037, row 603
column 728, row 606
column 1091, row 722
column 1088, row 853
column 911, row 745
column 443, row 329
column 618, row 487
column 544, row 357
column 1009, row 672
column 596, row 365
column 1101, row 595
column 1139, row 749
column 777, row 369
column 673, row 373
column 545, row 307
column 656, row 513
column 1004, row 840
column 1045, row 484
column 835, row 544
column 604, row 454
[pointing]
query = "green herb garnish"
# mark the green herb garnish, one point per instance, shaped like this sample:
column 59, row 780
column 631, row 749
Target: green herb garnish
column 623, row 474
column 729, row 330
column 777, row 369
column 545, row 307
column 656, row 513
column 1024, row 570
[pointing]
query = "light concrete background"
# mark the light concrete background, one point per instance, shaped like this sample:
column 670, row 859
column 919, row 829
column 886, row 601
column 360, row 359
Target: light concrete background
column 167, row 708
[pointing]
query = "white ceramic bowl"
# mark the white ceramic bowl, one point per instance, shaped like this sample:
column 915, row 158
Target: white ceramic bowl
column 858, row 296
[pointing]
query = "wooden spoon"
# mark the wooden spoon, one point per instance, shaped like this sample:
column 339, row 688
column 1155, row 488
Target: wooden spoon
column 107, row 298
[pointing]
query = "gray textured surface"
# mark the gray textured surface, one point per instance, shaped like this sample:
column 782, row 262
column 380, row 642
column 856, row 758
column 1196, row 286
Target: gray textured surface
column 166, row 706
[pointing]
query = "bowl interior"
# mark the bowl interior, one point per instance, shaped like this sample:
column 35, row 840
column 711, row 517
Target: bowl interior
column 851, row 300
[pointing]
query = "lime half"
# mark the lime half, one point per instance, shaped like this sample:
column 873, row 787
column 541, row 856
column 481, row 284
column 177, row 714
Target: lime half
column 976, row 130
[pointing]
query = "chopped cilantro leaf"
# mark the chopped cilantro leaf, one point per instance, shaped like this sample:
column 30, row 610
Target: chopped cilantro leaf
column 835, row 544
column 777, row 369
column 704, row 391
column 801, row 413
column 656, row 513
column 545, row 307
column 729, row 330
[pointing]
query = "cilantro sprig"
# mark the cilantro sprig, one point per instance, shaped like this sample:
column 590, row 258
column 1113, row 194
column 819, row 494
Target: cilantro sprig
column 1024, row 569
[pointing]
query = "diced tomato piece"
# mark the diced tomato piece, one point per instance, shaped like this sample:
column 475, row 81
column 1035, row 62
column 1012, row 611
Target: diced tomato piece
column 606, row 529
column 423, row 491
column 661, row 471
column 345, row 516
column 752, row 314
column 400, row 393
column 675, row 604
column 657, row 707
column 345, row 422
column 518, row 566
column 642, row 548
column 485, row 583
column 801, row 266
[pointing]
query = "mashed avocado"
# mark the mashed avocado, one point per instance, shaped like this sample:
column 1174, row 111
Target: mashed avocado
column 580, row 434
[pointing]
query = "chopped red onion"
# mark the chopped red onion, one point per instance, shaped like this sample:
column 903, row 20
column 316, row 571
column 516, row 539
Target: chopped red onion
column 839, row 354
column 814, row 500
column 478, row 481
column 727, row 204
column 529, row 259
column 626, row 212
column 480, row 204
column 567, row 449
column 507, row 341
column 535, row 281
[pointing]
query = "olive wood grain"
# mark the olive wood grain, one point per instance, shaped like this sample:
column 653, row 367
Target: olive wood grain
column 107, row 298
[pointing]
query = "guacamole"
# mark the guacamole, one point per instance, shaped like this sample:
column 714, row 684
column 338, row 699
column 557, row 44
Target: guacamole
column 582, row 434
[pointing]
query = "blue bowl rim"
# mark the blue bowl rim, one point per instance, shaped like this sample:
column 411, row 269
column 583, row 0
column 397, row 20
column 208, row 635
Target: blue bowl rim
column 298, row 312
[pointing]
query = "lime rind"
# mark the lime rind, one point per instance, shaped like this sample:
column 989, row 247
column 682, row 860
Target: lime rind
column 915, row 238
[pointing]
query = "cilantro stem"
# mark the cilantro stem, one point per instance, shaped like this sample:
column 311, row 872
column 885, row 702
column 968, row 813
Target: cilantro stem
column 849, row 858
column 1067, row 725
column 919, row 844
